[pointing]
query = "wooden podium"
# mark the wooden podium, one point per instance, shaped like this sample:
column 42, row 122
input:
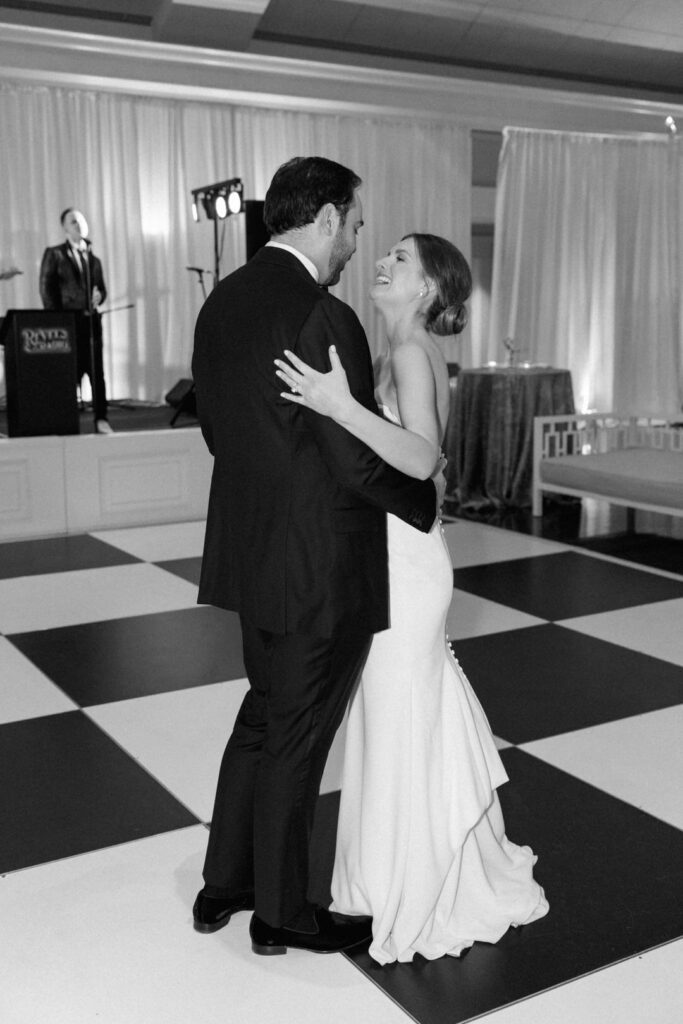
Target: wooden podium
column 40, row 372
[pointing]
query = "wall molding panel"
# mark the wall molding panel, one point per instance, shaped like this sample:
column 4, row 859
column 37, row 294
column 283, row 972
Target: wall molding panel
column 65, row 485
column 32, row 488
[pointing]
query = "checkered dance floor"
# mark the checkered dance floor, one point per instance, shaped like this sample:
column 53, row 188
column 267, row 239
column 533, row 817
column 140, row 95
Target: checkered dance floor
column 117, row 693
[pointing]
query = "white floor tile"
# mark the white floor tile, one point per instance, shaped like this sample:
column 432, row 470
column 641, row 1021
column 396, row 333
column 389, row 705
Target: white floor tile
column 178, row 737
column 638, row 759
column 90, row 595
column 647, row 989
column 477, row 544
column 115, row 945
column 332, row 776
column 24, row 691
column 158, row 543
column 655, row 629
column 470, row 615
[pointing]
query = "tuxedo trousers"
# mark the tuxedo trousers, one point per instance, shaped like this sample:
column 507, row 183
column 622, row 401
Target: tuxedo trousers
column 269, row 779
column 88, row 350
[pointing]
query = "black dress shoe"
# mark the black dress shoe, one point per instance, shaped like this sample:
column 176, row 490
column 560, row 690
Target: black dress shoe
column 211, row 912
column 334, row 934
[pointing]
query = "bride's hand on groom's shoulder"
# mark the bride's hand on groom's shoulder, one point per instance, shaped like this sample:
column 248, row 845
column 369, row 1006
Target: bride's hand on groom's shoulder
column 324, row 393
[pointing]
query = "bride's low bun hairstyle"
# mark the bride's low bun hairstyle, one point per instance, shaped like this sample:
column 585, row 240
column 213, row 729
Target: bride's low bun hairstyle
column 449, row 271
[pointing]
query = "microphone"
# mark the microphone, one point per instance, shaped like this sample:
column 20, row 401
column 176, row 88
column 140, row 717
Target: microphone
column 197, row 270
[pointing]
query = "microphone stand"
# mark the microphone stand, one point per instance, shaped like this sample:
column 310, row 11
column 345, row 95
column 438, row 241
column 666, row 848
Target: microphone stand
column 90, row 312
column 116, row 309
column 200, row 274
column 199, row 271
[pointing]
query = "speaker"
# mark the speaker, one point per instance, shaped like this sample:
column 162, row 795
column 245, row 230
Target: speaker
column 182, row 398
column 257, row 236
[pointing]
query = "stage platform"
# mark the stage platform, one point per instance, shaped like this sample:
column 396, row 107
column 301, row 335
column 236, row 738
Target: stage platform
column 146, row 472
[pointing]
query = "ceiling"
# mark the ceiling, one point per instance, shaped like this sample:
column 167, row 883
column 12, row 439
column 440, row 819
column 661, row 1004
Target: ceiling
column 631, row 47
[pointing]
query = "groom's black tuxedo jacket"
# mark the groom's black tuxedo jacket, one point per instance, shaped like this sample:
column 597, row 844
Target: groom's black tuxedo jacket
column 296, row 530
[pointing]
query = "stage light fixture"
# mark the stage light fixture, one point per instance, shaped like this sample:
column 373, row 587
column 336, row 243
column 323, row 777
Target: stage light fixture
column 219, row 201
column 221, row 206
column 207, row 206
column 235, row 197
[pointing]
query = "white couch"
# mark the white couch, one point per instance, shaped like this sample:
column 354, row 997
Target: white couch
column 627, row 460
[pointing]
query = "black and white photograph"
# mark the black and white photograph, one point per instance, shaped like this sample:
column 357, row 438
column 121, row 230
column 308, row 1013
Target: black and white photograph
column 341, row 512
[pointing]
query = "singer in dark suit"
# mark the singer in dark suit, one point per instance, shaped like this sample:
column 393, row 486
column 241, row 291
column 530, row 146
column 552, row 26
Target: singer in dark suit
column 71, row 278
column 296, row 543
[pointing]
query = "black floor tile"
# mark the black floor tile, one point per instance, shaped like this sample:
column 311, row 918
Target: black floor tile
column 613, row 878
column 561, row 520
column 58, row 554
column 565, row 585
column 74, row 790
column 588, row 523
column 546, row 680
column 98, row 662
column 187, row 568
column 644, row 548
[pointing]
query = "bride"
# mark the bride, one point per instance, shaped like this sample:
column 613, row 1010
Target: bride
column 421, row 844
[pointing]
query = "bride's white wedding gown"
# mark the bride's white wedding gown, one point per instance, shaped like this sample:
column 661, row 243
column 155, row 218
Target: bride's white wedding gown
column 421, row 842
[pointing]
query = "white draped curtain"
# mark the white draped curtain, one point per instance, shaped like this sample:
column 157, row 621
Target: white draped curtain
column 130, row 164
column 588, row 263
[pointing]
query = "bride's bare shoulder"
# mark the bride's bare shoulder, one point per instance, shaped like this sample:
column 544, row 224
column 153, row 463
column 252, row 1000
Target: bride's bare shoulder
column 411, row 353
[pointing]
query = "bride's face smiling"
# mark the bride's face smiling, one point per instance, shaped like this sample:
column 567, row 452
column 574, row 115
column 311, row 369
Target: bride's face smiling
column 399, row 277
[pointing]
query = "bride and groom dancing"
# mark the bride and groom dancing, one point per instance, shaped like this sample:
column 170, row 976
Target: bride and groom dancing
column 322, row 532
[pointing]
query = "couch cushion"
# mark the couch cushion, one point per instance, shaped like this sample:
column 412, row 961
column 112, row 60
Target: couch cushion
column 642, row 475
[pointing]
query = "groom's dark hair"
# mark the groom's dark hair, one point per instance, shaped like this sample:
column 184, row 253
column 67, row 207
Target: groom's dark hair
column 301, row 187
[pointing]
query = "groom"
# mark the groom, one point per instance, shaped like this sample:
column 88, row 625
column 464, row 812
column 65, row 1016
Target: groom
column 296, row 543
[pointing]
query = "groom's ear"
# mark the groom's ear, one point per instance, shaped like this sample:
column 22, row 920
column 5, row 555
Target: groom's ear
column 328, row 219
